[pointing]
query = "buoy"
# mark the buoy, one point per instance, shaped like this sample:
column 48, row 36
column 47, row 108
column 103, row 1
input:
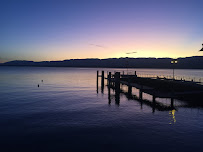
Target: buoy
column 38, row 85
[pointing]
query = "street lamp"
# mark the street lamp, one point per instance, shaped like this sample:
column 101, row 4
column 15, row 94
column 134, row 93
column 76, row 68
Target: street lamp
column 202, row 48
column 174, row 61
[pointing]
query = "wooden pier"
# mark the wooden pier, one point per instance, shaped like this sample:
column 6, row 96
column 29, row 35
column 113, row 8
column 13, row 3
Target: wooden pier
column 189, row 91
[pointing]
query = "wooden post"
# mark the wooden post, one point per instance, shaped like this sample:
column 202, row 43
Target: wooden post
column 172, row 101
column 117, row 87
column 117, row 98
column 109, row 94
column 109, row 78
column 129, row 86
column 97, row 80
column 154, row 99
column 102, row 89
column 102, row 79
column 153, row 103
column 140, row 94
column 129, row 90
column 117, row 81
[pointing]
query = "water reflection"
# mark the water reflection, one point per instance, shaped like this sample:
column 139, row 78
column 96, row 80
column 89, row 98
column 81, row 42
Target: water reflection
column 109, row 95
column 172, row 116
column 155, row 105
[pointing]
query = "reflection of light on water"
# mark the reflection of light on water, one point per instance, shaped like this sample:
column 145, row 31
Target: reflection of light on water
column 172, row 115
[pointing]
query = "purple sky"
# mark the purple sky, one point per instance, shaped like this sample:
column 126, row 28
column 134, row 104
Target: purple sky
column 58, row 30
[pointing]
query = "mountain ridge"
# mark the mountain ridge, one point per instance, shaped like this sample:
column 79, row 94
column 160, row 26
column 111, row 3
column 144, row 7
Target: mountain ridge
column 194, row 62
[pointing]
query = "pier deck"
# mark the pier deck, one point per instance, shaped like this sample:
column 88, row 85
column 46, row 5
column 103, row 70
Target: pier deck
column 157, row 87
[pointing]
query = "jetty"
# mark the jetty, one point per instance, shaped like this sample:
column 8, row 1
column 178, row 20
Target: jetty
column 187, row 91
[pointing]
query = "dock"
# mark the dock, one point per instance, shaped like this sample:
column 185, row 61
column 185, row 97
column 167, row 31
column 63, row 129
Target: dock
column 187, row 91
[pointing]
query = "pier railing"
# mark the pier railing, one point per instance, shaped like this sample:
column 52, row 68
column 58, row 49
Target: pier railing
column 183, row 78
column 198, row 80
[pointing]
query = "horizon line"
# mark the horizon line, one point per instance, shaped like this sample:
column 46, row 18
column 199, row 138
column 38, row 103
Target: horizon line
column 104, row 59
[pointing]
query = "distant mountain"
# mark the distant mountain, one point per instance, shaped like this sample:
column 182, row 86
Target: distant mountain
column 195, row 62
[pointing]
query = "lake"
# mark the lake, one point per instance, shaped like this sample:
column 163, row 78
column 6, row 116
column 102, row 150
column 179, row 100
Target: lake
column 67, row 113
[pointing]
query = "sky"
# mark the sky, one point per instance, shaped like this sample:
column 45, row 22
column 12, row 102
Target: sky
column 46, row 30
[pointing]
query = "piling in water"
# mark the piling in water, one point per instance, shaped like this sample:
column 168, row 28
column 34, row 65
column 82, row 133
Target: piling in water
column 102, row 78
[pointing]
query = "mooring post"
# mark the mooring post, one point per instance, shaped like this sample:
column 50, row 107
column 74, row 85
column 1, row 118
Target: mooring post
column 172, row 101
column 140, row 94
column 109, row 78
column 129, row 90
column 102, row 89
column 129, row 86
column 97, row 80
column 117, row 87
column 102, row 79
column 109, row 94
column 97, row 76
column 135, row 73
column 117, row 98
column 154, row 99
column 117, row 81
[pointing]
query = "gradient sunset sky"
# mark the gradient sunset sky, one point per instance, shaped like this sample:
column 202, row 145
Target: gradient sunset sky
column 64, row 29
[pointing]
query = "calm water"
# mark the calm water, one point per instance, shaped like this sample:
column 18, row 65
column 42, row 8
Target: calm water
column 67, row 114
